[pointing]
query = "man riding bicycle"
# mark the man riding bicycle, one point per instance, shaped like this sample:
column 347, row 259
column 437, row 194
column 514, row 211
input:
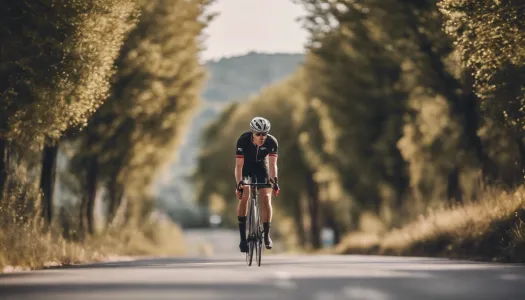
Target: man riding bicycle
column 256, row 154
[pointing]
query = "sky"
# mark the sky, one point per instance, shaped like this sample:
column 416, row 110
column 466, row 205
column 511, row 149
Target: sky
column 254, row 25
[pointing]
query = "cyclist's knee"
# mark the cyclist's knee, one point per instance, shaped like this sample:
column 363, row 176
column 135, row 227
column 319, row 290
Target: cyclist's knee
column 266, row 194
column 245, row 197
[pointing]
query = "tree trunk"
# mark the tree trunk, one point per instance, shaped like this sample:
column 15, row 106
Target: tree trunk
column 454, row 192
column 355, row 219
column 115, row 199
column 313, row 195
column 330, row 221
column 521, row 147
column 91, row 184
column 470, row 107
column 88, row 199
column 3, row 165
column 47, row 180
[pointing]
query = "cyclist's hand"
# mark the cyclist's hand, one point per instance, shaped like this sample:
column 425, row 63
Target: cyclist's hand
column 275, row 187
column 239, row 189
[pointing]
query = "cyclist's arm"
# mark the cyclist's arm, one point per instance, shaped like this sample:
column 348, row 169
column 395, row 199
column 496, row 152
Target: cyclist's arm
column 273, row 165
column 272, row 158
column 239, row 161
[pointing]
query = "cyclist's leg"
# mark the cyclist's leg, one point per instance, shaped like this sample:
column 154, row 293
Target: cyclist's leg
column 265, row 196
column 242, row 206
column 242, row 209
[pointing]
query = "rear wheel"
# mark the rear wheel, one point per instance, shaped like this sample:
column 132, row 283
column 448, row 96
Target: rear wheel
column 251, row 234
column 259, row 233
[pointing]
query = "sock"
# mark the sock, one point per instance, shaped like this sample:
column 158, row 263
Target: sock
column 242, row 227
column 266, row 227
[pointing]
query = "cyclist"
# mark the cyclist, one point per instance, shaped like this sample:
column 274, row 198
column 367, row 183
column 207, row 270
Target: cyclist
column 256, row 154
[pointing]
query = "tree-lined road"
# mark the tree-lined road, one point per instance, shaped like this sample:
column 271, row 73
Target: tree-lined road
column 322, row 277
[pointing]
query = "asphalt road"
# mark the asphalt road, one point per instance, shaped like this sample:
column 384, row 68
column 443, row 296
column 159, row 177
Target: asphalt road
column 215, row 269
column 206, row 242
column 323, row 277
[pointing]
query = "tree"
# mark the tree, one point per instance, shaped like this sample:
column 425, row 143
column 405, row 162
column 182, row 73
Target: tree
column 488, row 39
column 154, row 92
column 55, row 65
column 356, row 77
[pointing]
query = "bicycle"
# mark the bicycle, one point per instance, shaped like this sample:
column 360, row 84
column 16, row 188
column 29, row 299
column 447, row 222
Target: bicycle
column 255, row 228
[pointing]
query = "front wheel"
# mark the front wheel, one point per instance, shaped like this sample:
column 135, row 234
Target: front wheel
column 258, row 235
column 251, row 238
column 259, row 243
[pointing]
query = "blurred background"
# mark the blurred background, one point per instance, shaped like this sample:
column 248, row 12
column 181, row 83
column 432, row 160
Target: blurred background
column 400, row 124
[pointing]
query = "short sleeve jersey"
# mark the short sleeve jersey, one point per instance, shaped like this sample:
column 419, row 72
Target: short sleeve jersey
column 252, row 153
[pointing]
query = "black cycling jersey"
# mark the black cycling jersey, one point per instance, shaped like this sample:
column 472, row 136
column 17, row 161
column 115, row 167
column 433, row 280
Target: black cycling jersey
column 251, row 152
column 255, row 157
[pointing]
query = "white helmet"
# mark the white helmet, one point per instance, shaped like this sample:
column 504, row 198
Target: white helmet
column 259, row 124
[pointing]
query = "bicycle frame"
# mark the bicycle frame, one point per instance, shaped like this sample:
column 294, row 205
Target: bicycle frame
column 255, row 230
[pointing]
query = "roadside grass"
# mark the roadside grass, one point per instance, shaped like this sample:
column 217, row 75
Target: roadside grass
column 491, row 229
column 25, row 243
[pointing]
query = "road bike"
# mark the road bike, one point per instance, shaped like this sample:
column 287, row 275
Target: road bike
column 255, row 228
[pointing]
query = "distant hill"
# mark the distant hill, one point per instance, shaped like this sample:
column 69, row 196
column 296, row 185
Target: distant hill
column 230, row 79
column 238, row 77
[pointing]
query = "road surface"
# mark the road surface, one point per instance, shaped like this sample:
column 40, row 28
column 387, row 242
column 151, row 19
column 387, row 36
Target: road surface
column 322, row 277
column 206, row 242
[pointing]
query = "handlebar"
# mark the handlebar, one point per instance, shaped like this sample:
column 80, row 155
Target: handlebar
column 258, row 184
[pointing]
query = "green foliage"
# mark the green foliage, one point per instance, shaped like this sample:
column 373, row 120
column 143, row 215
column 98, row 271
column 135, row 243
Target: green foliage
column 155, row 89
column 56, row 61
column 127, row 69
column 402, row 103
column 489, row 40
column 397, row 105
column 363, row 103
column 488, row 37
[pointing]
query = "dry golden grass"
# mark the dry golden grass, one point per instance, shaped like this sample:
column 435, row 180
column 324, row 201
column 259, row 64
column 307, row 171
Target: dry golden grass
column 491, row 229
column 25, row 245
column 28, row 247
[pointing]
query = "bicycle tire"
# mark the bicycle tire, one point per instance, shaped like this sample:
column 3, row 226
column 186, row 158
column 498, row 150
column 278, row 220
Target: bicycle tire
column 257, row 217
column 255, row 236
column 251, row 232
column 259, row 236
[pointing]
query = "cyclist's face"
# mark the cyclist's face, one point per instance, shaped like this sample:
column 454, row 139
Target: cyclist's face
column 259, row 137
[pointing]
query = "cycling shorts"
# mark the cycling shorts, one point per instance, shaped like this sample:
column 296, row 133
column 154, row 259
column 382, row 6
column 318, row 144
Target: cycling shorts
column 259, row 170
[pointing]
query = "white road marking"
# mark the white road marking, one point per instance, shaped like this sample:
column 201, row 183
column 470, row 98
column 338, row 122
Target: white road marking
column 511, row 277
column 283, row 280
column 360, row 293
